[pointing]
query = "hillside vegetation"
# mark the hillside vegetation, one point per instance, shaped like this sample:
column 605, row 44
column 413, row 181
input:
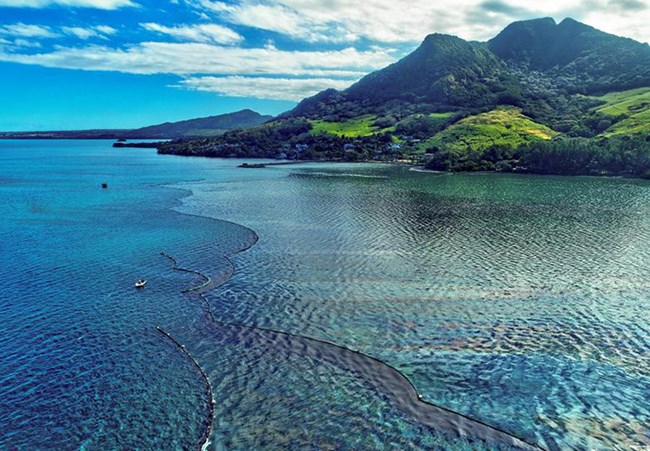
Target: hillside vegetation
column 574, row 56
column 505, row 126
column 353, row 128
column 630, row 109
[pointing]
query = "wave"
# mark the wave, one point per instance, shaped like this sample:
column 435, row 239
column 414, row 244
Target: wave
column 429, row 171
column 331, row 174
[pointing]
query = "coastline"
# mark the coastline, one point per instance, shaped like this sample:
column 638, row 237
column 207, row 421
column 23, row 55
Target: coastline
column 415, row 167
column 419, row 162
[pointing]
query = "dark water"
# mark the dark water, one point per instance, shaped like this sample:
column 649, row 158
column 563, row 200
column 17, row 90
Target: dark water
column 521, row 302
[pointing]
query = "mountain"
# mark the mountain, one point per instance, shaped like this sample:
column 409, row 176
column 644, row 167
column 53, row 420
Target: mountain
column 205, row 126
column 536, row 65
column 538, row 91
column 576, row 56
column 527, row 61
column 444, row 71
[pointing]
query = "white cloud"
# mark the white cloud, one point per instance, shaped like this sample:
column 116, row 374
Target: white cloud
column 208, row 33
column 266, row 72
column 27, row 34
column 278, row 18
column 343, row 20
column 198, row 58
column 294, row 89
column 27, row 31
column 99, row 4
column 282, row 19
column 99, row 31
column 26, row 43
column 105, row 29
column 81, row 33
column 400, row 21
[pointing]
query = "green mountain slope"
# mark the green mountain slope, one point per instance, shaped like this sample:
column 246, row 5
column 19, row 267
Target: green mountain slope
column 630, row 109
column 366, row 125
column 537, row 65
column 443, row 70
column 504, row 126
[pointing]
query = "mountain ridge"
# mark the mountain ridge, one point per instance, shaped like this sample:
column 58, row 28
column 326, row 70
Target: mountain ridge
column 581, row 58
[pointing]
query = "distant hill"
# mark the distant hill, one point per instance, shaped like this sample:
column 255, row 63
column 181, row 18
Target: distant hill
column 201, row 127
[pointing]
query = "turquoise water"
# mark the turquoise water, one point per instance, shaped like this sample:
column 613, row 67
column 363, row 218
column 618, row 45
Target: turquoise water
column 521, row 302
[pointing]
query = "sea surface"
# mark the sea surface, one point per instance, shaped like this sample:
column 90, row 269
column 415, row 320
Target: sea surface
column 318, row 301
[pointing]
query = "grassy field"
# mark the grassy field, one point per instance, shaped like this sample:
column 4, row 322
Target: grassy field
column 502, row 126
column 359, row 126
column 634, row 105
column 441, row 115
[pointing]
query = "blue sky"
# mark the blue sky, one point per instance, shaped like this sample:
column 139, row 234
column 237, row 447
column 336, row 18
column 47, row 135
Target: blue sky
column 78, row 64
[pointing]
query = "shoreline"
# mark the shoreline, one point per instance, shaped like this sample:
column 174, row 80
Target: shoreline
column 416, row 166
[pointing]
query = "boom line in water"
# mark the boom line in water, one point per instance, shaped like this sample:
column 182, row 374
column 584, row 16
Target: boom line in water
column 422, row 410
column 205, row 438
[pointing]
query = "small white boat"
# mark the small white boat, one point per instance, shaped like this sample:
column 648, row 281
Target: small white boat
column 140, row 283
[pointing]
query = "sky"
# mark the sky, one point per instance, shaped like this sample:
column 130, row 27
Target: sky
column 81, row 64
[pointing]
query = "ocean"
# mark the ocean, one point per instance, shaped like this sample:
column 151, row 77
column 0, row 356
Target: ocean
column 314, row 303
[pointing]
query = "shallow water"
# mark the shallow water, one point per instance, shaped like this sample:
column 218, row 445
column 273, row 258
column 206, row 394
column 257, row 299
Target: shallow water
column 518, row 301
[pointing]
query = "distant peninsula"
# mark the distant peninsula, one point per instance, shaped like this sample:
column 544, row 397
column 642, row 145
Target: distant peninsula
column 192, row 128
